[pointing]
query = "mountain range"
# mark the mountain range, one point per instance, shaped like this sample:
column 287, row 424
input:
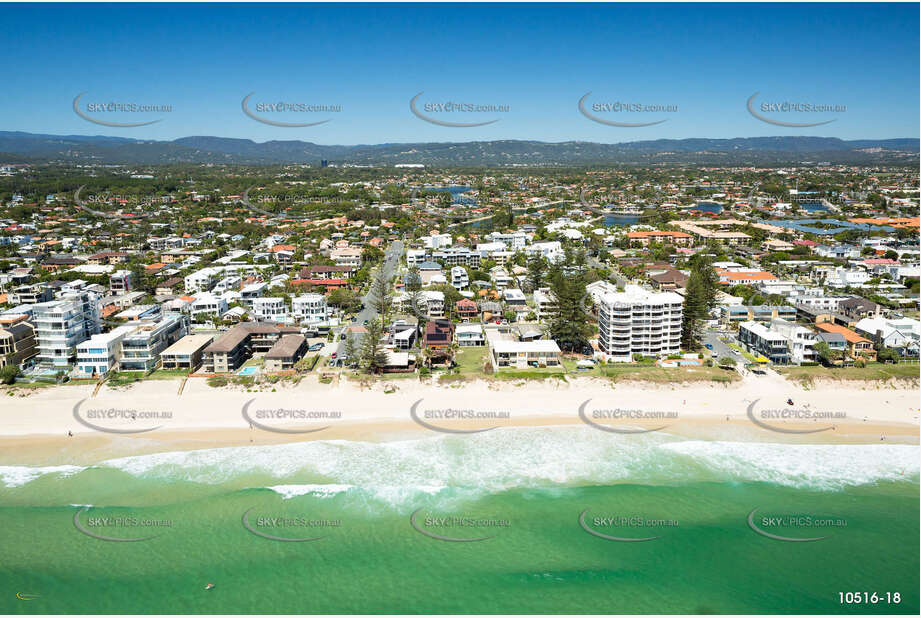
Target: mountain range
column 18, row 146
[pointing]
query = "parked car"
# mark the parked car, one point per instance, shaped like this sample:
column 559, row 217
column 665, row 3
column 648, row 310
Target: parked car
column 315, row 347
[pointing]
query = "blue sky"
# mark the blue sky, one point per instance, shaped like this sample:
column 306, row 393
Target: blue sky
column 537, row 59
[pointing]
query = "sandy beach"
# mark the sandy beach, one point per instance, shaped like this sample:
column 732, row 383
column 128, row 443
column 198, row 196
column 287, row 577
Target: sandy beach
column 152, row 417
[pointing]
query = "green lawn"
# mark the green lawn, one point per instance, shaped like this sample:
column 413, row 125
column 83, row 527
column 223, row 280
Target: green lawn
column 470, row 360
column 873, row 371
column 652, row 373
column 168, row 374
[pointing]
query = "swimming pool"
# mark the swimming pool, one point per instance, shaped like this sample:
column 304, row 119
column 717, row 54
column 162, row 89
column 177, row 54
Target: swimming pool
column 248, row 371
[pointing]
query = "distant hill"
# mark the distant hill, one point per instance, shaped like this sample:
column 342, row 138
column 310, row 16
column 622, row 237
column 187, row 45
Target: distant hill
column 693, row 151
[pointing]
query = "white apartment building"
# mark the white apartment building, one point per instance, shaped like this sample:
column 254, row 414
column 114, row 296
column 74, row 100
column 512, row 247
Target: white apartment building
column 251, row 292
column 840, row 277
column 228, row 283
column 60, row 325
column 826, row 303
column 270, row 309
column 100, row 353
column 500, row 277
column 487, row 248
column 544, row 302
column 800, row 340
column 347, row 256
column 551, row 250
column 514, row 240
column 459, row 278
column 638, row 321
column 780, row 341
column 436, row 241
column 430, row 302
column 309, row 308
column 201, row 280
column 414, row 257
column 140, row 349
column 207, row 304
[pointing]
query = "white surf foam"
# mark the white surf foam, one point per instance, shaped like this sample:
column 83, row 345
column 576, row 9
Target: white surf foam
column 16, row 476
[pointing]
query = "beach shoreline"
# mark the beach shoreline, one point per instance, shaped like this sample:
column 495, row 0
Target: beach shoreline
column 35, row 428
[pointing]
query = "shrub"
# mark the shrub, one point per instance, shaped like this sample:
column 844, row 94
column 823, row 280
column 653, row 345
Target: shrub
column 217, row 381
column 9, row 374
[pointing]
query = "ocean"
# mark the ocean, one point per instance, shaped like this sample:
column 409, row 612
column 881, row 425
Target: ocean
column 517, row 520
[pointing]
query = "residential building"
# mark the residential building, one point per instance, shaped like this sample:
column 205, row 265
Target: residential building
column 856, row 308
column 466, row 309
column 506, row 353
column 639, row 321
column 251, row 292
column 801, row 340
column 17, row 341
column 470, row 334
column 60, row 325
column 121, row 282
column 643, row 239
column 201, row 280
column 186, row 353
column 270, row 309
column 902, row 334
column 309, row 309
column 207, row 304
column 429, row 302
column 551, row 250
column 436, row 241
column 141, row 347
column 285, row 353
column 857, row 346
column 735, row 314
column 233, row 348
column 545, row 304
column 459, row 278
column 457, row 256
column 759, row 339
column 100, row 353
column 347, row 256
column 30, row 294
column 438, row 334
column 838, row 252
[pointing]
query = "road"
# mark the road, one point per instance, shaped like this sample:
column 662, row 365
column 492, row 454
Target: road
column 390, row 263
column 719, row 348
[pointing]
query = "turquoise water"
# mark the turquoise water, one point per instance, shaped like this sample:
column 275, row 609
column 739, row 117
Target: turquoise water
column 524, row 489
column 248, row 371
